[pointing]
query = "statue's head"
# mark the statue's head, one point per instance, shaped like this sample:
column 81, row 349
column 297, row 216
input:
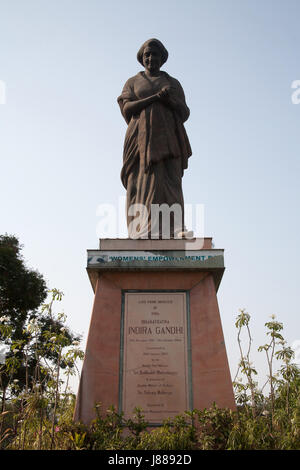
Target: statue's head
column 152, row 55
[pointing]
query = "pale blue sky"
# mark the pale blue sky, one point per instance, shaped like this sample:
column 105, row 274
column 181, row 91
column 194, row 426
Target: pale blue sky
column 64, row 63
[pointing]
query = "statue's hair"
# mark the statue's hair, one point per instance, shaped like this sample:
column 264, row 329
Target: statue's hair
column 156, row 43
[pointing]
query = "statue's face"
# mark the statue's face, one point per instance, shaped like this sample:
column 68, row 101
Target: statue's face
column 152, row 59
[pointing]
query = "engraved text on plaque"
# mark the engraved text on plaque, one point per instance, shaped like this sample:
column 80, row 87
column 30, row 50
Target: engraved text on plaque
column 155, row 354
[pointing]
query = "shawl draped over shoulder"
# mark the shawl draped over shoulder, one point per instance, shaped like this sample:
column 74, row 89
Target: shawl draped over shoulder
column 157, row 132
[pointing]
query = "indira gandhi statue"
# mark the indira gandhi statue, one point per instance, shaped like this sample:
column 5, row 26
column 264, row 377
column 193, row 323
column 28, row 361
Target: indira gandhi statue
column 156, row 147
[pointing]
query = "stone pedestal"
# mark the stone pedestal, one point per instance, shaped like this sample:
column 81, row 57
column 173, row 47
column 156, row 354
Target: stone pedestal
column 155, row 337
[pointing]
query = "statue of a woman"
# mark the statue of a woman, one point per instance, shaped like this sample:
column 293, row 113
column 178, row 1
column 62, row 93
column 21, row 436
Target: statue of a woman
column 156, row 147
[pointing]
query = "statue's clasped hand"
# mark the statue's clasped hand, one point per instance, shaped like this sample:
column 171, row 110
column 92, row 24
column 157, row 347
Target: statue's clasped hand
column 164, row 93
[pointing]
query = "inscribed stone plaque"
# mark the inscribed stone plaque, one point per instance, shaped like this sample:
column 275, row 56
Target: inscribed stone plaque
column 155, row 362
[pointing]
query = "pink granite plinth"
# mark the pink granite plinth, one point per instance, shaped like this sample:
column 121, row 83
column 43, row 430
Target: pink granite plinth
column 100, row 379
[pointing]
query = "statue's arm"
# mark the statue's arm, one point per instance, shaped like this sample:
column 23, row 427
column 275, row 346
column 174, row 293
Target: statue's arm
column 175, row 99
column 180, row 107
column 129, row 103
column 131, row 108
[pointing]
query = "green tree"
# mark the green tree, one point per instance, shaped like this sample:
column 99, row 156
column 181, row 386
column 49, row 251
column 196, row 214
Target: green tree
column 22, row 291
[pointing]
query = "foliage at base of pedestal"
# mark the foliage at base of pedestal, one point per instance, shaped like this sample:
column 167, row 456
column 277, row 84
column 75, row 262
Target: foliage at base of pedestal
column 209, row 429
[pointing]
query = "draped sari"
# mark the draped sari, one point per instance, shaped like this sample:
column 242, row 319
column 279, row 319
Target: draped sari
column 156, row 148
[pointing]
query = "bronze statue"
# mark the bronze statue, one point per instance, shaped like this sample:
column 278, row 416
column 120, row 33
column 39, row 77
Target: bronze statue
column 156, row 147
